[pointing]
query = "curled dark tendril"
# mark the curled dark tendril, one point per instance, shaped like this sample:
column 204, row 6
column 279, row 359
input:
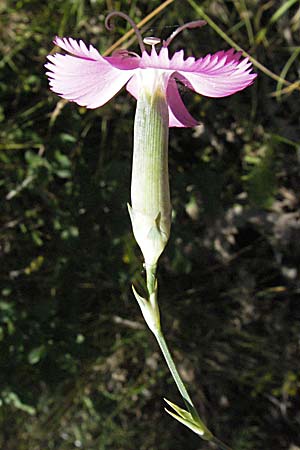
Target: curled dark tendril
column 110, row 27
column 194, row 24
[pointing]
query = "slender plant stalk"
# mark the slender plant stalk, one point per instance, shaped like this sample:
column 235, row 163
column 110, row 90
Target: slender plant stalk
column 220, row 444
column 179, row 383
column 151, row 286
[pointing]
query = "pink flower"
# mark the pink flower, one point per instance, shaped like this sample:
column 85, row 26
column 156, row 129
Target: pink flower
column 91, row 80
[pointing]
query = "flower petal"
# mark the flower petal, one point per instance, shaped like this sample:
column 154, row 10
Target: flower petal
column 178, row 114
column 218, row 75
column 162, row 60
column 133, row 86
column 77, row 48
column 87, row 78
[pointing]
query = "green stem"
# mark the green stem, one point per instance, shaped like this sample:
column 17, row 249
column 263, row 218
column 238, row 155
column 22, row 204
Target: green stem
column 152, row 291
column 220, row 444
column 179, row 383
column 151, row 278
column 151, row 281
column 181, row 387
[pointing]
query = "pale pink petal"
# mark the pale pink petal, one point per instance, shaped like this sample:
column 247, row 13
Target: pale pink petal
column 77, row 49
column 218, row 75
column 133, row 86
column 154, row 60
column 87, row 78
column 178, row 114
column 218, row 85
column 162, row 60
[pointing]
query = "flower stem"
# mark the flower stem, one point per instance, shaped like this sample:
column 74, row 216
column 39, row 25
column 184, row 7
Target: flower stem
column 151, row 286
column 179, row 383
column 151, row 281
column 181, row 387
column 220, row 444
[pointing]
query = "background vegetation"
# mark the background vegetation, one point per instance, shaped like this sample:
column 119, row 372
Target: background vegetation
column 79, row 369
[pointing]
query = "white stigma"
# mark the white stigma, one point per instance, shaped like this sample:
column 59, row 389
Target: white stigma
column 151, row 40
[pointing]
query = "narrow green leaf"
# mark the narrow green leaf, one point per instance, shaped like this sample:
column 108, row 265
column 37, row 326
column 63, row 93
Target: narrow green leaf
column 181, row 412
column 286, row 68
column 186, row 418
column 283, row 8
column 191, row 425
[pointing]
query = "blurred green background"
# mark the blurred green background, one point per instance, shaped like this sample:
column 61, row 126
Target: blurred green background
column 79, row 368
